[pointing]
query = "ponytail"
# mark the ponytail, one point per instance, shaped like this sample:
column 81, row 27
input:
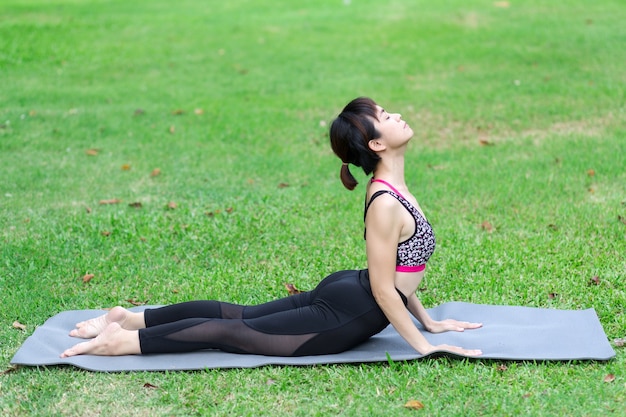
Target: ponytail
column 347, row 178
column 350, row 134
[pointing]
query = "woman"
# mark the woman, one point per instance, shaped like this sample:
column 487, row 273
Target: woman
column 346, row 308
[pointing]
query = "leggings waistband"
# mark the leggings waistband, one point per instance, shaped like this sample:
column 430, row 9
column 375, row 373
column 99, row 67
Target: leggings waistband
column 364, row 278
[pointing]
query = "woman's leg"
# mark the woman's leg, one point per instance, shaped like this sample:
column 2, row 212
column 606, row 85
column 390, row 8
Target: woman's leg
column 341, row 314
column 230, row 335
column 117, row 333
column 210, row 309
column 192, row 309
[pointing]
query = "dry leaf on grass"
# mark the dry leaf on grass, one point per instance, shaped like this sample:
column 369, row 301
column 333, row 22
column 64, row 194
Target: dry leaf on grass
column 18, row 325
column 92, row 152
column 594, row 281
column 88, row 277
column 136, row 205
column 609, row 378
column 10, row 369
column 110, row 201
column 436, row 167
column 486, row 226
column 126, row 167
column 620, row 342
column 155, row 172
column 414, row 405
column 292, row 289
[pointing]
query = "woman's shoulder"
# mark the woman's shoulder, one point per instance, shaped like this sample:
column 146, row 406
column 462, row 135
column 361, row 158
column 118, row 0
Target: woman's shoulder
column 381, row 200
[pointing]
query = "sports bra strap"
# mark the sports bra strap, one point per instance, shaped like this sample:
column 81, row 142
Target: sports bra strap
column 388, row 185
column 369, row 203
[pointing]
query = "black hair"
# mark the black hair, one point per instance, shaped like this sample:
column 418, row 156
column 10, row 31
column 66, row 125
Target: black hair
column 350, row 134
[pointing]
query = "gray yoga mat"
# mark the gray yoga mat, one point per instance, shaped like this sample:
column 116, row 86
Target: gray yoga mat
column 508, row 333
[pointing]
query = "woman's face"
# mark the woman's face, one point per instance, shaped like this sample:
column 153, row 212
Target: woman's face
column 392, row 128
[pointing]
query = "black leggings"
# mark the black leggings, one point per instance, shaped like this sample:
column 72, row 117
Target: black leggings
column 337, row 315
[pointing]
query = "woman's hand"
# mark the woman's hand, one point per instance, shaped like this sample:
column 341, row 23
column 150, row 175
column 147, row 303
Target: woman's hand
column 453, row 349
column 452, row 325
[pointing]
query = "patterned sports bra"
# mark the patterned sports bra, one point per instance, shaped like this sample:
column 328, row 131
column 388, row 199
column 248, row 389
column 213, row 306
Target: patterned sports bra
column 414, row 252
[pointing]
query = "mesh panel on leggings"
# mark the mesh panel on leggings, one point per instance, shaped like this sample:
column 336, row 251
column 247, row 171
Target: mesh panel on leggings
column 231, row 311
column 208, row 309
column 227, row 335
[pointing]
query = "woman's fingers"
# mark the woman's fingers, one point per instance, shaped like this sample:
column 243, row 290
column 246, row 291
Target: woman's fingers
column 458, row 350
column 453, row 325
column 468, row 325
column 459, row 326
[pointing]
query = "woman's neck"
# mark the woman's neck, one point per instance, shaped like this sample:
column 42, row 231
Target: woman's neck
column 391, row 170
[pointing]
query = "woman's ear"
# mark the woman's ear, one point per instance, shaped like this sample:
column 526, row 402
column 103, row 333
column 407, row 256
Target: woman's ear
column 376, row 145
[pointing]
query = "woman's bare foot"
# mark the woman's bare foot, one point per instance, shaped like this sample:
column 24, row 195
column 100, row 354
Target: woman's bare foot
column 92, row 328
column 112, row 341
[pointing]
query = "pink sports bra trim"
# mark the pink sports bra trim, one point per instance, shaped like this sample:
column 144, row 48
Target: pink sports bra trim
column 388, row 185
column 412, row 268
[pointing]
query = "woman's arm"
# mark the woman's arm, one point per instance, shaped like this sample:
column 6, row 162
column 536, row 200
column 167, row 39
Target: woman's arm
column 417, row 309
column 384, row 227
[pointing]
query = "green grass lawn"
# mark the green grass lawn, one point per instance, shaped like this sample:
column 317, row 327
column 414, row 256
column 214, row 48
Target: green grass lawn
column 518, row 161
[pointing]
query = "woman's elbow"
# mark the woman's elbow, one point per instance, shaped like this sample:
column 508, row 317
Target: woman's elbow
column 384, row 296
